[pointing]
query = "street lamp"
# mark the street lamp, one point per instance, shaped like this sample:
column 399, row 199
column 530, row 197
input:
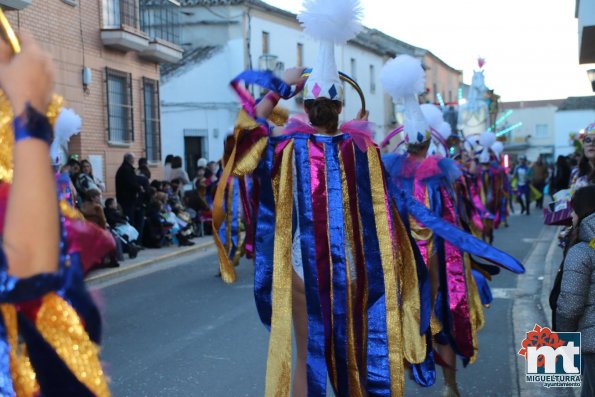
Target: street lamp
column 591, row 74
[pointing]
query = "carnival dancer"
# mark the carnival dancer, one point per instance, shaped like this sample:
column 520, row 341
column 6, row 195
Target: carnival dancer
column 490, row 184
column 505, row 190
column 327, row 234
column 49, row 326
column 470, row 207
column 522, row 182
column 457, row 290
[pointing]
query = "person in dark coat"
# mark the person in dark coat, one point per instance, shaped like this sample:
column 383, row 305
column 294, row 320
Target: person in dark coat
column 127, row 186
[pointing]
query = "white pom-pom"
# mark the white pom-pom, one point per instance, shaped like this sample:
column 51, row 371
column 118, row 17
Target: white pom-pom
column 444, row 129
column 67, row 124
column 433, row 115
column 332, row 20
column 487, row 139
column 497, row 148
column 403, row 76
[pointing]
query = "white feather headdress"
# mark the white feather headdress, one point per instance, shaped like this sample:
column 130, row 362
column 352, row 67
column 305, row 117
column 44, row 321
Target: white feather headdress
column 67, row 125
column 498, row 148
column 331, row 22
column 403, row 78
column 486, row 140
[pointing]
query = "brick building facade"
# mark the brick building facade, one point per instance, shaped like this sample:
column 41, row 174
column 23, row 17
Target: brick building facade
column 118, row 99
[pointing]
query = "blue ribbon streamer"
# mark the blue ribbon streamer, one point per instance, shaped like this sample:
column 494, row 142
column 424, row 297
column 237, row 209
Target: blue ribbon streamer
column 264, row 240
column 337, row 246
column 316, row 361
column 378, row 379
column 268, row 80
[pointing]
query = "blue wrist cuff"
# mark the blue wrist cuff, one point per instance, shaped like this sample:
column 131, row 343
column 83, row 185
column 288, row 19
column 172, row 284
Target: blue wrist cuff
column 32, row 124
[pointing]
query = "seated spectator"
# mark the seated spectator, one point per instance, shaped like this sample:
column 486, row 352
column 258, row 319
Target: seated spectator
column 86, row 180
column 157, row 185
column 201, row 182
column 91, row 208
column 177, row 172
column 178, row 229
column 121, row 226
column 155, row 234
column 93, row 212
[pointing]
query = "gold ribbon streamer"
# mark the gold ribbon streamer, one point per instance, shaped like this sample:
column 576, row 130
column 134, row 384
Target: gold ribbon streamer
column 23, row 375
column 405, row 266
column 393, row 321
column 278, row 378
column 61, row 327
column 243, row 123
column 475, row 307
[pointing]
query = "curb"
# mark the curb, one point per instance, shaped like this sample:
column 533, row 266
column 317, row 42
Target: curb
column 104, row 274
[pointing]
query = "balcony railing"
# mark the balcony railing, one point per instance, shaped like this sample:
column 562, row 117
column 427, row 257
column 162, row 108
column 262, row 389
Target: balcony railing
column 118, row 13
column 160, row 19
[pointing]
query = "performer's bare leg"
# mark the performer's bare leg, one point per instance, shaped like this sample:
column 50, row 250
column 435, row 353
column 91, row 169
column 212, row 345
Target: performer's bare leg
column 300, row 327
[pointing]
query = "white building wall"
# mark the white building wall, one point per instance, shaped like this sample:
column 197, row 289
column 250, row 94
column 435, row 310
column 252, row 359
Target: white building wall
column 570, row 122
column 538, row 130
column 199, row 98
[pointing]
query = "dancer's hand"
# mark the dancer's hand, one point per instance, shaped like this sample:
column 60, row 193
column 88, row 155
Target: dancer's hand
column 27, row 77
column 293, row 76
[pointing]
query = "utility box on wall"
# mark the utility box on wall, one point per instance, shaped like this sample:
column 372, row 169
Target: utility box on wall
column 14, row 4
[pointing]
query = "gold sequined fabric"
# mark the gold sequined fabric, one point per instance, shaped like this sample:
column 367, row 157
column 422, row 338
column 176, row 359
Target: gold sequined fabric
column 62, row 328
column 6, row 139
column 7, row 132
column 23, row 375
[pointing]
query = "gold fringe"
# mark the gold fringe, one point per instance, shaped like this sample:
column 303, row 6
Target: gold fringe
column 244, row 123
column 388, row 258
column 278, row 378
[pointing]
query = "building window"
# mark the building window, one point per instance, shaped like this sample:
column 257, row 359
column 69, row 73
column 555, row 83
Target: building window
column 120, row 12
column 353, row 69
column 372, row 79
column 265, row 42
column 119, row 106
column 435, row 92
column 160, row 20
column 152, row 122
column 541, row 131
column 300, row 54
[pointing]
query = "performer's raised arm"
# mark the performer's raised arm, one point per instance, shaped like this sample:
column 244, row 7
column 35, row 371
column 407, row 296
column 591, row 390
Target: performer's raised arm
column 31, row 233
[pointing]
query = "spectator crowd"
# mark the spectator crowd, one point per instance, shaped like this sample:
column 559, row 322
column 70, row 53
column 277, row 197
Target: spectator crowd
column 146, row 212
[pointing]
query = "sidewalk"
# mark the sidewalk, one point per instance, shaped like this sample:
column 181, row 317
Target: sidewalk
column 149, row 256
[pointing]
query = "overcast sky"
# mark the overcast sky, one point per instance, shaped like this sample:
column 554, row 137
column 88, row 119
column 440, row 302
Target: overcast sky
column 530, row 46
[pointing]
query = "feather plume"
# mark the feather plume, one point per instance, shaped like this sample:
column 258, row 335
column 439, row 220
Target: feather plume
column 67, row 125
column 336, row 21
column 487, row 139
column 444, row 129
column 497, row 148
column 433, row 115
column 402, row 77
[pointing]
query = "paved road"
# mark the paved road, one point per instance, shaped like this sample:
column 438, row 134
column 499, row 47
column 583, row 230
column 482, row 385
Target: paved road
column 173, row 329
